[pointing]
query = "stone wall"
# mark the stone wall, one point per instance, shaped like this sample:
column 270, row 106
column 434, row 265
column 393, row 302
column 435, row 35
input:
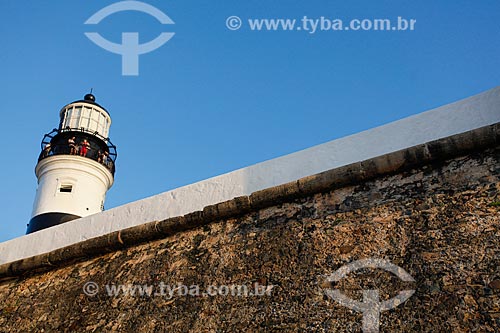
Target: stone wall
column 438, row 220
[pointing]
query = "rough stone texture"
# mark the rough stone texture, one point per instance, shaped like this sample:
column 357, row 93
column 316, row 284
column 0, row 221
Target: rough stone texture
column 439, row 222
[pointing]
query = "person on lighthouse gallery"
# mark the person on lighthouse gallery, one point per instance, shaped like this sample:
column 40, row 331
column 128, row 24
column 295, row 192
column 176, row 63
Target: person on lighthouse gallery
column 105, row 159
column 84, row 148
column 100, row 156
column 46, row 150
column 72, row 145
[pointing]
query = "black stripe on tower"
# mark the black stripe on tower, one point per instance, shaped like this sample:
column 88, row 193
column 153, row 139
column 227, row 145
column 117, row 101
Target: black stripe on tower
column 48, row 220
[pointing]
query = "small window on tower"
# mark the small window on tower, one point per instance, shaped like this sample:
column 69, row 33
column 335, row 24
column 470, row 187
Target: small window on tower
column 66, row 188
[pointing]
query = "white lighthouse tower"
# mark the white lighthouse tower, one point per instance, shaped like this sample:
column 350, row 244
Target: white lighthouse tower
column 76, row 166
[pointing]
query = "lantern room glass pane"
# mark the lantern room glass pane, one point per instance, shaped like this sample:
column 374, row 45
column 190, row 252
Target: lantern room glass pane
column 67, row 117
column 93, row 125
column 100, row 129
column 77, row 111
column 86, row 112
column 73, row 122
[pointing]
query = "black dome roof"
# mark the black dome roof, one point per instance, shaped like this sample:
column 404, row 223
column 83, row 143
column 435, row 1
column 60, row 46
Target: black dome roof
column 89, row 97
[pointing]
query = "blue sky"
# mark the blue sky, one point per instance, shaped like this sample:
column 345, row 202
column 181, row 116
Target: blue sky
column 212, row 100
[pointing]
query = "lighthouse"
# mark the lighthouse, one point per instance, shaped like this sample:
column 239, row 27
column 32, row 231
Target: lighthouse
column 76, row 166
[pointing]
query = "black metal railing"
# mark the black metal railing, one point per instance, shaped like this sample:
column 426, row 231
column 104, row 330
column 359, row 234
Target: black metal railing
column 79, row 142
